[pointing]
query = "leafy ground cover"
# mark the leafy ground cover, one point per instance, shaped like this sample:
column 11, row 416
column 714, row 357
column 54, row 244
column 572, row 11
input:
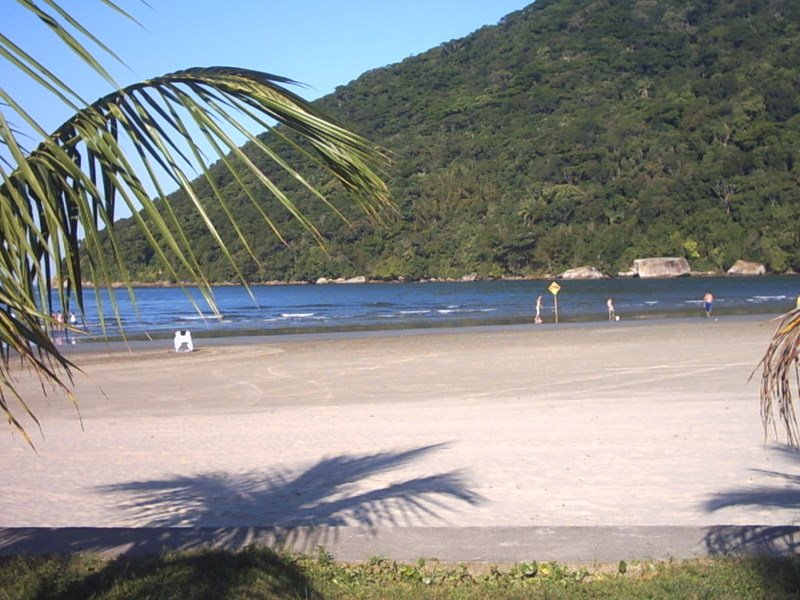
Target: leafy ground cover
column 261, row 573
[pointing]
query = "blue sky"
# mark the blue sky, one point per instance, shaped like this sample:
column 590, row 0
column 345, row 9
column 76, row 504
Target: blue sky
column 322, row 44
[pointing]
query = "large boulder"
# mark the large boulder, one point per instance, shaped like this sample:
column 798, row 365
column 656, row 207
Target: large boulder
column 647, row 268
column 582, row 273
column 744, row 267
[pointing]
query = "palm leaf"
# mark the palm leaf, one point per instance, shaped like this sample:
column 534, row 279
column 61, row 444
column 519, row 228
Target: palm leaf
column 779, row 376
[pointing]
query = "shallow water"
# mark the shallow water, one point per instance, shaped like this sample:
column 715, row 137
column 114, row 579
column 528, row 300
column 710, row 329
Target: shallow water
column 288, row 309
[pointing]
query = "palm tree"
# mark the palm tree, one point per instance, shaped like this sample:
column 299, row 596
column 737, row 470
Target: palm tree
column 56, row 199
column 779, row 374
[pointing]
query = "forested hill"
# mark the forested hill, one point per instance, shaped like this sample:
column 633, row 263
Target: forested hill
column 573, row 132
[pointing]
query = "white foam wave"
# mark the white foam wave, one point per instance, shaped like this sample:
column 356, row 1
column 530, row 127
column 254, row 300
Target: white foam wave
column 200, row 317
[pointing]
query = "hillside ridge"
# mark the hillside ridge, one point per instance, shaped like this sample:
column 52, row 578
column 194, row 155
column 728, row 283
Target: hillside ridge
column 572, row 132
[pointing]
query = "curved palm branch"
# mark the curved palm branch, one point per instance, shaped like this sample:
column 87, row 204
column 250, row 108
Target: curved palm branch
column 56, row 200
column 779, row 375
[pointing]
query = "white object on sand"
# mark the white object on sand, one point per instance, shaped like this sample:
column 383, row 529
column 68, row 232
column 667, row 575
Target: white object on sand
column 183, row 341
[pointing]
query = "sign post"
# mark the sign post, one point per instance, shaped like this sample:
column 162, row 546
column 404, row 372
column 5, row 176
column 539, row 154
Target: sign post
column 553, row 289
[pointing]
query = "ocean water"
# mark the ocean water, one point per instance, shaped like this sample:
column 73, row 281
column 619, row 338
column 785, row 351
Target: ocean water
column 287, row 309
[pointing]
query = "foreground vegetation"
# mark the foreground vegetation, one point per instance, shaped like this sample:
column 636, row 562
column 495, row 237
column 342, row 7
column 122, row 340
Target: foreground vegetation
column 260, row 573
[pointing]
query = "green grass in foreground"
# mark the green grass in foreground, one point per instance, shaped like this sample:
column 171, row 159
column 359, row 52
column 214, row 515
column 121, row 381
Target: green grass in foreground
column 260, row 573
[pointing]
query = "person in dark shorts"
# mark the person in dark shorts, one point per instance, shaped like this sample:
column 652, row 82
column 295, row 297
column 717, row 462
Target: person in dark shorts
column 708, row 303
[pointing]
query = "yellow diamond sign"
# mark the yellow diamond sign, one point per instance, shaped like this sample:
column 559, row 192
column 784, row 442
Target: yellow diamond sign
column 554, row 287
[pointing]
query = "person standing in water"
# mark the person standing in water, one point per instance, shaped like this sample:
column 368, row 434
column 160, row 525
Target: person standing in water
column 538, row 318
column 612, row 315
column 708, row 303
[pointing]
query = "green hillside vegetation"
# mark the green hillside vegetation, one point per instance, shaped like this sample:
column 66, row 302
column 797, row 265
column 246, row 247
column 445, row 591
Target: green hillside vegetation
column 573, row 132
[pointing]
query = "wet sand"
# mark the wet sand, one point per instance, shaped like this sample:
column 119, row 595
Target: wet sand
column 461, row 434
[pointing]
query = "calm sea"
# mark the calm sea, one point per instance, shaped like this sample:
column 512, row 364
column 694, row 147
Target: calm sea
column 289, row 309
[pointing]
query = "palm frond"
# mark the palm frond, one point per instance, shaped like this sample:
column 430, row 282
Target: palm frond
column 69, row 30
column 126, row 148
column 780, row 379
column 131, row 147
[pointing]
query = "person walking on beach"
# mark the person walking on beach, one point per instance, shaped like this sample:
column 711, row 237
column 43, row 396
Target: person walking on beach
column 612, row 315
column 538, row 318
column 708, row 303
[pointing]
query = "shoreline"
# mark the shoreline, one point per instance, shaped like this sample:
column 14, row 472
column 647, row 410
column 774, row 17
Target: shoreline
column 163, row 340
column 362, row 279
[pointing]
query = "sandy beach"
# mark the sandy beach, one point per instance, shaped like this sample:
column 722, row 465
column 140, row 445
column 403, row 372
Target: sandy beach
column 481, row 444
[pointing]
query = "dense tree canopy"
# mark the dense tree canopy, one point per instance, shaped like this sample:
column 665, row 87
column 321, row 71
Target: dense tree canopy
column 573, row 132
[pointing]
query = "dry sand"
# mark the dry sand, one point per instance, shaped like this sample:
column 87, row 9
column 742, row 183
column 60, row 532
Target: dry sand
column 466, row 445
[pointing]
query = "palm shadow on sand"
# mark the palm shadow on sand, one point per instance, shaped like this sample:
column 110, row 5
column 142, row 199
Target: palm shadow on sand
column 763, row 540
column 344, row 490
column 276, row 509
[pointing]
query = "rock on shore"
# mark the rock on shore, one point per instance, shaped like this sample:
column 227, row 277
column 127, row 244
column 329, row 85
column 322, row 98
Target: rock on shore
column 325, row 280
column 661, row 267
column 586, row 272
column 744, row 267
